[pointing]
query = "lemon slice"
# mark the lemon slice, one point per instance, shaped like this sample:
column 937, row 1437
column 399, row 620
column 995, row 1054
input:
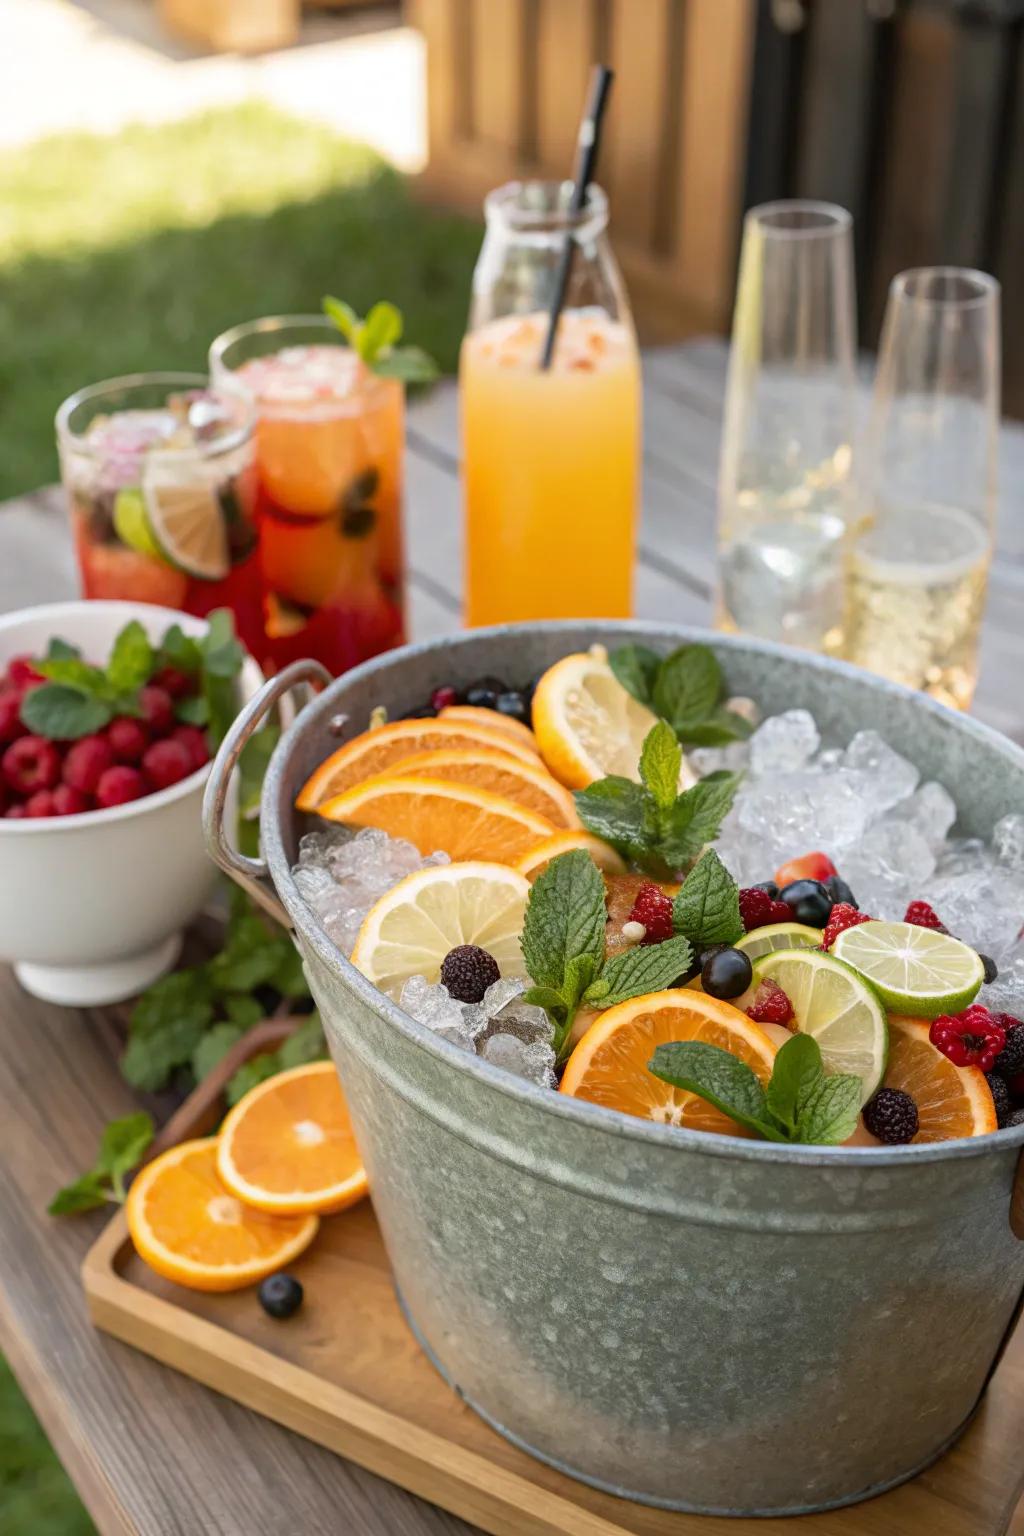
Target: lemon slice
column 761, row 941
column 587, row 725
column 414, row 925
column 834, row 1005
column 915, row 971
column 185, row 514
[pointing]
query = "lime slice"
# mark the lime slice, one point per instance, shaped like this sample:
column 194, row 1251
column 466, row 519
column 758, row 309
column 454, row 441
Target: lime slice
column 185, row 514
column 834, row 1005
column 132, row 525
column 915, row 971
column 761, row 941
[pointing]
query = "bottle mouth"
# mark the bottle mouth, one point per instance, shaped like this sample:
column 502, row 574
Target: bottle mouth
column 946, row 287
column 799, row 219
column 539, row 210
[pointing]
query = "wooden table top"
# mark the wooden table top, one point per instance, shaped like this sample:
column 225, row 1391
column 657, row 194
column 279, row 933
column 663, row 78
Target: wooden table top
column 152, row 1453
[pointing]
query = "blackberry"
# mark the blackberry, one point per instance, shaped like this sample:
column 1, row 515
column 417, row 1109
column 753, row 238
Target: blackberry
column 891, row 1115
column 841, row 893
column 467, row 971
column 811, row 902
column 1000, row 1096
column 1010, row 1060
column 726, row 974
column 280, row 1295
column 991, row 969
column 1014, row 1118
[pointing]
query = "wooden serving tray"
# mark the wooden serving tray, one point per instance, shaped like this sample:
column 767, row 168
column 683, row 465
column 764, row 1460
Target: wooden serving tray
column 347, row 1373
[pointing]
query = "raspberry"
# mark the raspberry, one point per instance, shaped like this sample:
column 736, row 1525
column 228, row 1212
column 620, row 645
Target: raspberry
column 166, row 763
column 969, row 1039
column 87, row 759
column 157, row 709
column 194, row 741
column 119, row 785
column 174, row 682
column 770, row 1005
column 40, row 804
column 467, row 971
column 758, row 908
column 654, row 909
column 127, row 738
column 923, row 916
column 811, row 866
column 10, row 716
column 68, row 801
column 1000, row 1096
column 31, row 763
column 443, row 698
column 841, row 917
column 1010, row 1060
column 21, row 671
column 891, row 1115
column 16, row 812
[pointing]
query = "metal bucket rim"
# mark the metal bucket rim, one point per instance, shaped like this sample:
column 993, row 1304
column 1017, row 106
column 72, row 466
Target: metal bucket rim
column 578, row 1111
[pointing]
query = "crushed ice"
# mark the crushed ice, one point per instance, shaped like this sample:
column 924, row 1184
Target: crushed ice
column 509, row 1034
column 341, row 874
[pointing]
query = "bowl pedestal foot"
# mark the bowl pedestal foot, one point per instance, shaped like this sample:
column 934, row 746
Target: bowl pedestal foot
column 110, row 981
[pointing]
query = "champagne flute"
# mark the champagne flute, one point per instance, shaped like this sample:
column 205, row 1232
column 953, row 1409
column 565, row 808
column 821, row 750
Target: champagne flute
column 927, row 483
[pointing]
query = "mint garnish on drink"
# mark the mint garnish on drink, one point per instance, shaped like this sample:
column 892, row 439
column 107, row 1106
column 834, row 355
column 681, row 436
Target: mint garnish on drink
column 376, row 339
column 801, row 1103
column 685, row 688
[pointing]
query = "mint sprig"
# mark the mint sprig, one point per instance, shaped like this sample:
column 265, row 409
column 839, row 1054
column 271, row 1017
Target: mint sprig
column 685, row 688
column 707, row 905
column 564, row 949
column 376, row 339
column 651, row 824
column 123, row 1144
column 801, row 1103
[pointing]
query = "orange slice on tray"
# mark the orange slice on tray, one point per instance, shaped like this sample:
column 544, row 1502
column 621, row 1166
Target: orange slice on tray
column 501, row 774
column 287, row 1147
column 951, row 1101
column 464, row 822
column 490, row 719
column 374, row 752
column 609, row 1065
column 189, row 1227
column 538, row 859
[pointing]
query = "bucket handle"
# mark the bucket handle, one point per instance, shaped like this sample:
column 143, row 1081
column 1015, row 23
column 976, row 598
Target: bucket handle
column 251, row 874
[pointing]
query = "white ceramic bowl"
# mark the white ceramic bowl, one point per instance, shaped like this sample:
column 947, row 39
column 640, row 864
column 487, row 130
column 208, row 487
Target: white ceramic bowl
column 92, row 907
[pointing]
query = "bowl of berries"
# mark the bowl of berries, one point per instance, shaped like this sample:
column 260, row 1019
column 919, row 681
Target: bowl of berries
column 109, row 713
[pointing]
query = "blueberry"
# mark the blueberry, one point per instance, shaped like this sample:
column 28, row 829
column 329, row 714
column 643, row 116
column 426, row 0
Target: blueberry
column 811, row 901
column 726, row 973
column 840, row 892
column 485, row 692
column 513, row 705
column 991, row 969
column 425, row 712
column 769, row 886
column 706, row 954
column 280, row 1295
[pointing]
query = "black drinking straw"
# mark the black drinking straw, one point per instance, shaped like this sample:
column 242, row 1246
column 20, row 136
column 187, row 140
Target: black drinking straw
column 587, row 145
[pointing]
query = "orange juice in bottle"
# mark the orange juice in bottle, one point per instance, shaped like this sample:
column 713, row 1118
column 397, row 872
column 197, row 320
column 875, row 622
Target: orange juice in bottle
column 550, row 457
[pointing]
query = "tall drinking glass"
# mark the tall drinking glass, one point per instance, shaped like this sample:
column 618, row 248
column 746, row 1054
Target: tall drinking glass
column 551, row 458
column 927, row 480
column 784, row 481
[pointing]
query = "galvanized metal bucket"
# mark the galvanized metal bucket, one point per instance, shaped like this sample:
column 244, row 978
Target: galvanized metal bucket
column 698, row 1322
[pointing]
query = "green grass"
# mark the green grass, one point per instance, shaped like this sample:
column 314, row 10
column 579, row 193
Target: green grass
column 129, row 253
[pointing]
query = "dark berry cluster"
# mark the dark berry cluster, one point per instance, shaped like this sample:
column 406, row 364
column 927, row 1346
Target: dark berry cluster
column 484, row 693
column 467, row 971
column 891, row 1115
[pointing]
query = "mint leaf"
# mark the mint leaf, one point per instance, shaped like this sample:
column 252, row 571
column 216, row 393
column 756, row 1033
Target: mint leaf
column 579, row 973
column 795, row 1076
column 689, row 684
column 343, row 316
column 305, row 1045
column 73, row 672
column 288, row 976
column 166, row 1025
column 720, row 728
column 697, row 816
column 619, row 811
column 381, row 329
column 243, row 1009
column 721, row 1078
column 124, row 1143
column 660, row 761
column 565, row 919
column 829, row 1114
column 86, row 1194
column 410, row 364
column 256, row 1070
column 707, row 906
column 180, row 651
column 192, row 709
column 63, row 713
column 60, row 650
column 546, row 997
column 132, row 660
column 648, row 968
column 636, row 667
column 213, row 1047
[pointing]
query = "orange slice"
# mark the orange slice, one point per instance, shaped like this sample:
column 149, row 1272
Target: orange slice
column 538, row 859
column 491, row 720
column 951, row 1101
column 374, row 752
column 464, row 822
column 499, row 773
column 609, row 1066
column 190, row 1228
column 287, row 1148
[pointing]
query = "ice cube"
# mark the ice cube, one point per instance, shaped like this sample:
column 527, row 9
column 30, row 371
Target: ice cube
column 886, row 777
column 318, row 847
column 888, row 867
column 797, row 811
column 1008, row 841
column 1006, row 994
column 431, row 1004
column 982, row 902
column 931, row 810
column 732, row 758
column 784, row 743
column 534, row 1061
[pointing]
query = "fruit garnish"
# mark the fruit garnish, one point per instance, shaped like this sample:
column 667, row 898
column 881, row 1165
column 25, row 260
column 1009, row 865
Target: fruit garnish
column 891, row 1116
column 185, row 516
column 287, row 1147
column 653, row 910
column 951, row 1101
column 610, row 1065
column 376, row 339
column 811, row 901
column 499, row 773
column 779, row 936
column 915, row 971
column 132, row 526
column 973, row 1038
column 685, row 688
column 374, row 751
column 726, row 973
column 799, row 1103
column 759, row 910
column 280, row 1296
column 836, row 1007
column 465, row 822
column 1001, row 1096
column 418, row 922
column 188, row 1227
column 492, row 720
column 467, row 971
column 809, row 866
column 1010, row 1060
column 537, row 860
column 770, row 1005
column 842, row 916
column 924, row 916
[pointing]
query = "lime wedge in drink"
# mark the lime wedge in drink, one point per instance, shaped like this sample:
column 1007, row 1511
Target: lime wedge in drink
column 832, row 1003
column 760, row 941
column 915, row 971
column 185, row 514
column 131, row 524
